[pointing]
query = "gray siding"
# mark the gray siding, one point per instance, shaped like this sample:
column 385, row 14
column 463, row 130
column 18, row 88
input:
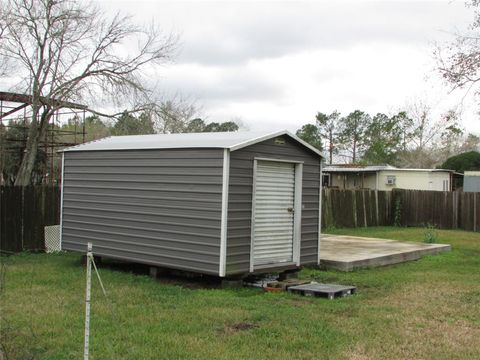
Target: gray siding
column 160, row 207
column 240, row 200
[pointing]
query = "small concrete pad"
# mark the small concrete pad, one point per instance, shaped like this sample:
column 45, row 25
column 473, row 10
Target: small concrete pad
column 346, row 253
column 330, row 291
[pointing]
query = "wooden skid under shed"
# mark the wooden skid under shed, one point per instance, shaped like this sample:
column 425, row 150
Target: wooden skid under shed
column 329, row 291
column 285, row 284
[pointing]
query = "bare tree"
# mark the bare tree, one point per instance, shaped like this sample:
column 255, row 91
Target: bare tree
column 471, row 142
column 428, row 140
column 173, row 115
column 3, row 25
column 71, row 51
column 459, row 61
column 423, row 129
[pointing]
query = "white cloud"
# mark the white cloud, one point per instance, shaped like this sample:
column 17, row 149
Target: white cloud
column 234, row 32
column 372, row 78
column 276, row 64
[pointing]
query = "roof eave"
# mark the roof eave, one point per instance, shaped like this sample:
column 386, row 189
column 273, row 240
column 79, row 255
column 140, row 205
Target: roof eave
column 234, row 147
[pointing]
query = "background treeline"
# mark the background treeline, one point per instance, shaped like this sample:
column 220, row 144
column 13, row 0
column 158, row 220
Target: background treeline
column 170, row 119
column 410, row 138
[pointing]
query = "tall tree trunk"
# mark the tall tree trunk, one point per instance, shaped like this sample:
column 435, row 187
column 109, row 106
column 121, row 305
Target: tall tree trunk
column 330, row 150
column 354, row 157
column 35, row 133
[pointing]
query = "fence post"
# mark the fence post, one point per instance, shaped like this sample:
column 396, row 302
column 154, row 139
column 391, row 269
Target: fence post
column 354, row 207
column 364, row 209
column 455, row 210
column 324, row 206
column 474, row 211
column 22, row 223
column 87, row 301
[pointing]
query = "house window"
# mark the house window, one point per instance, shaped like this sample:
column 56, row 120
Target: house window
column 391, row 180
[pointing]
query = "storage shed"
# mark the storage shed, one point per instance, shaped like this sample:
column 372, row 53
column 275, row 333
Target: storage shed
column 214, row 203
column 471, row 181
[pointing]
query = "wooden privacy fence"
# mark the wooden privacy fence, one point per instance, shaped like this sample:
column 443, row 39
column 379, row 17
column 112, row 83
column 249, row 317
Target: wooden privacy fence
column 356, row 208
column 362, row 208
column 445, row 210
column 24, row 212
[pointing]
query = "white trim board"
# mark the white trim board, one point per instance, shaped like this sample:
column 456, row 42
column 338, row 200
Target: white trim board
column 279, row 160
column 252, row 222
column 297, row 215
column 320, row 198
column 61, row 200
column 224, row 219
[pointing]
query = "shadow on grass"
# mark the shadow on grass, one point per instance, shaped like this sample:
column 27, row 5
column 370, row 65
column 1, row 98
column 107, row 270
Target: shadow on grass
column 165, row 276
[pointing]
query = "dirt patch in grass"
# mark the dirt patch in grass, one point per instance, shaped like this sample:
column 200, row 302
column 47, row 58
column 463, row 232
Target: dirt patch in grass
column 471, row 297
column 357, row 353
column 237, row 327
column 421, row 338
column 426, row 320
column 433, row 334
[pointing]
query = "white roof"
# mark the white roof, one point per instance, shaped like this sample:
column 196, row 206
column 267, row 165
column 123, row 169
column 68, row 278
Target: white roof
column 334, row 168
column 222, row 140
column 329, row 168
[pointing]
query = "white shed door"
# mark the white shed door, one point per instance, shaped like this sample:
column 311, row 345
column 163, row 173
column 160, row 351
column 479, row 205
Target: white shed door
column 274, row 213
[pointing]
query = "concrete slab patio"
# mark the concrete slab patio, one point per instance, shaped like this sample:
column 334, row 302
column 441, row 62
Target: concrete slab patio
column 346, row 253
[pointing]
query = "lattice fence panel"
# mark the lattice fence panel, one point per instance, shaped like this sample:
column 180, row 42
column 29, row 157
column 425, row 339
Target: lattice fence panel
column 52, row 238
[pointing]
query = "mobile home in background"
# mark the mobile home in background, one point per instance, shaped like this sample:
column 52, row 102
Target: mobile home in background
column 387, row 178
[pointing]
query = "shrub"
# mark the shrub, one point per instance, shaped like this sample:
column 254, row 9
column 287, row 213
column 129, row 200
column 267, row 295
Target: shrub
column 430, row 234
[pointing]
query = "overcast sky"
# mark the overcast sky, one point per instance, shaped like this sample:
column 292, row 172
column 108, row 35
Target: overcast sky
column 276, row 64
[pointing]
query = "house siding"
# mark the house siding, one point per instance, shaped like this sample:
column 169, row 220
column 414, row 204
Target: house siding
column 408, row 179
column 159, row 207
column 240, row 200
column 414, row 180
column 353, row 180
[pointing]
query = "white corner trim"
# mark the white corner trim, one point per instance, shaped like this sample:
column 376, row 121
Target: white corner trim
column 297, row 216
column 320, row 198
column 224, row 218
column 61, row 200
column 252, row 222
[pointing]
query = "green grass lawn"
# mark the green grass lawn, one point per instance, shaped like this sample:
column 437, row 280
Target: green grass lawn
column 427, row 309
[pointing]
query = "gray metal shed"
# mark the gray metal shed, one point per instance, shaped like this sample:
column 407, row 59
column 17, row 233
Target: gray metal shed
column 471, row 181
column 215, row 203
